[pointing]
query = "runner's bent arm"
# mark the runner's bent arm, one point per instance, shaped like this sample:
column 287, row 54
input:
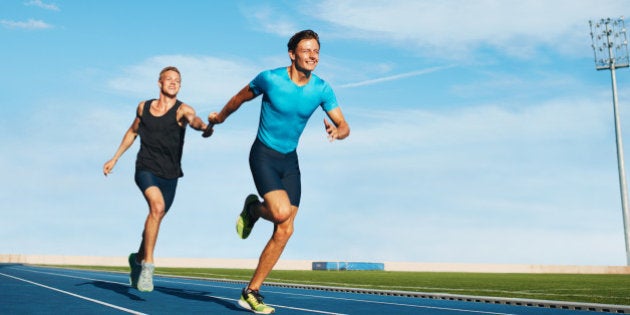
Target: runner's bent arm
column 340, row 129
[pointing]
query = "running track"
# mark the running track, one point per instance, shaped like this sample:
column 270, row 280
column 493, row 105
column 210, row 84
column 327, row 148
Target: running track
column 28, row 289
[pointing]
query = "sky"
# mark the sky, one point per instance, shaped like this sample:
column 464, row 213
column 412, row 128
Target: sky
column 481, row 131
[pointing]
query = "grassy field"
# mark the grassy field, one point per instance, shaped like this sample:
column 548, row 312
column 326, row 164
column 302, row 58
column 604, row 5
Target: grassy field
column 585, row 288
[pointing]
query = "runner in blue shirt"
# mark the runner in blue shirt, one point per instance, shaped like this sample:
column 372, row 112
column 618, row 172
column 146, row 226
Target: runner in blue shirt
column 290, row 95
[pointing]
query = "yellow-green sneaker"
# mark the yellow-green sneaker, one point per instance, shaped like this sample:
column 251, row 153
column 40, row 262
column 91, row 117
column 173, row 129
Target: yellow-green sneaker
column 253, row 301
column 245, row 221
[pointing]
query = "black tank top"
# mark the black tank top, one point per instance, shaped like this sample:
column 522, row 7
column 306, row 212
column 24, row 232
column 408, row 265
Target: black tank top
column 161, row 143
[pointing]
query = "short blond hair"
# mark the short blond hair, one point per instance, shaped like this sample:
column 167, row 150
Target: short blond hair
column 169, row 68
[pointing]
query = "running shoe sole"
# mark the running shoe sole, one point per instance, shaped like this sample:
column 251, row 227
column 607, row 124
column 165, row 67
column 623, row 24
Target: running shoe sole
column 244, row 222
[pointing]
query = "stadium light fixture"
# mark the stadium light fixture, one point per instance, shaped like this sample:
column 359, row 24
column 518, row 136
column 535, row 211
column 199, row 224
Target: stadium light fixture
column 610, row 45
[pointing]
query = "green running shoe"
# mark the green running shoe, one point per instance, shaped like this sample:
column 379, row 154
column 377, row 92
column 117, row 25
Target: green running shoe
column 253, row 301
column 145, row 281
column 246, row 221
column 136, row 268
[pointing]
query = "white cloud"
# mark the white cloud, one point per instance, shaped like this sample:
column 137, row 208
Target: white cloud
column 41, row 4
column 271, row 21
column 393, row 77
column 31, row 24
column 207, row 82
column 453, row 28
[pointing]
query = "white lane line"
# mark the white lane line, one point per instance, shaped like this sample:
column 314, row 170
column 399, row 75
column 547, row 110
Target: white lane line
column 342, row 299
column 395, row 304
column 75, row 295
column 73, row 277
column 282, row 306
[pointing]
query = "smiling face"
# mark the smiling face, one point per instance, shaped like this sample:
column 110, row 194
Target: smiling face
column 170, row 82
column 306, row 55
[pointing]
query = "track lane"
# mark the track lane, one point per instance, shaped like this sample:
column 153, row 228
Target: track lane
column 31, row 289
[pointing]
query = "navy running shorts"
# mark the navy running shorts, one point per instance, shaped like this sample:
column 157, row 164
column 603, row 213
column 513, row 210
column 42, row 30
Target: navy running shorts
column 146, row 179
column 273, row 170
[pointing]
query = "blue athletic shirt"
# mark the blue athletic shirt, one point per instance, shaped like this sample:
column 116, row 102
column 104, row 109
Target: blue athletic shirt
column 286, row 107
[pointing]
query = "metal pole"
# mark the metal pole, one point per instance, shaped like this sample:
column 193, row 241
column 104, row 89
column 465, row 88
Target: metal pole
column 620, row 162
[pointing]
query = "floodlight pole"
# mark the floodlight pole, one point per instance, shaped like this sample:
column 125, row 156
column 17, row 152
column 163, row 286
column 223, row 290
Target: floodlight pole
column 620, row 161
column 605, row 41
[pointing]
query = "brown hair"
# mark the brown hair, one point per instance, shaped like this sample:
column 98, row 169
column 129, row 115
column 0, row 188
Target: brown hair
column 297, row 37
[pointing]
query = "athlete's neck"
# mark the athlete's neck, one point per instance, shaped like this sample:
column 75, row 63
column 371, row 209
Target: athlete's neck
column 298, row 76
column 162, row 105
column 166, row 101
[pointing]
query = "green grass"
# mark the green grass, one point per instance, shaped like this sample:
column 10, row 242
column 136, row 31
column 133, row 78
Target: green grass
column 585, row 288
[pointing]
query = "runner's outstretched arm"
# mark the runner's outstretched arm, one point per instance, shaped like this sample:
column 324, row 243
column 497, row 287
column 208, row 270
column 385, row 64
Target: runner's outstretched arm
column 244, row 95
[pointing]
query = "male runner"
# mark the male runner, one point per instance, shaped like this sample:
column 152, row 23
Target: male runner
column 161, row 124
column 290, row 96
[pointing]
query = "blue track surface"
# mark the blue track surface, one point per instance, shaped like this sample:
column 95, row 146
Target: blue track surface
column 39, row 290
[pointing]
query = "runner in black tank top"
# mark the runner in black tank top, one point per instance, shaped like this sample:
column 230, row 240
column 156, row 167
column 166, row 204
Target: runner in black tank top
column 158, row 164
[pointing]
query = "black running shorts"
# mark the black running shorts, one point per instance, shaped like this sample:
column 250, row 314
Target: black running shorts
column 273, row 170
column 146, row 179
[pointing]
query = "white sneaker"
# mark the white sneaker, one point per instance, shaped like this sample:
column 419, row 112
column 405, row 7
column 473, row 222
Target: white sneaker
column 145, row 281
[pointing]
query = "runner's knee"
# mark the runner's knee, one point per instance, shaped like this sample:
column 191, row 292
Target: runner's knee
column 283, row 233
column 157, row 210
column 281, row 213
